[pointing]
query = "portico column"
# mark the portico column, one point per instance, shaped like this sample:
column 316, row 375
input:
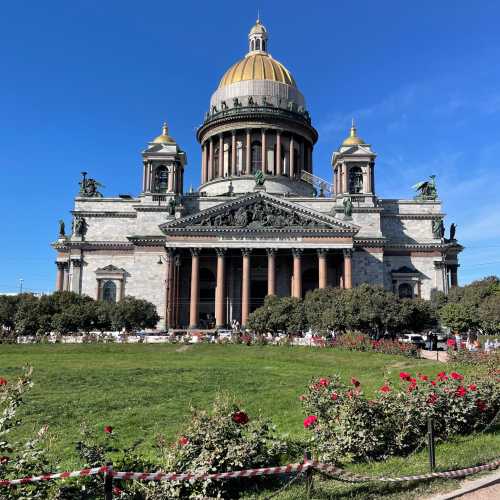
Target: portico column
column 60, row 276
column 248, row 170
column 220, row 295
column 204, row 163
column 453, row 276
column 271, row 271
column 66, row 278
column 177, row 267
column 211, row 160
column 245, row 286
column 264, row 152
column 76, row 265
column 233, row 153
column 322, row 268
column 277, row 161
column 169, row 285
column 292, row 158
column 348, row 268
column 297, row 272
column 195, row 287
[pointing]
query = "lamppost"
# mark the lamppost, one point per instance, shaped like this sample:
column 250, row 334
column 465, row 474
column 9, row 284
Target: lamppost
column 21, row 285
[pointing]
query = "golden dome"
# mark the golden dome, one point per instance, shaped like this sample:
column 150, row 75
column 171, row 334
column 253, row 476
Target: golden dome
column 257, row 66
column 164, row 138
column 258, row 28
column 353, row 137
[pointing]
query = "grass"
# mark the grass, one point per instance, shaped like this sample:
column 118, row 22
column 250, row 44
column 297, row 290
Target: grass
column 143, row 390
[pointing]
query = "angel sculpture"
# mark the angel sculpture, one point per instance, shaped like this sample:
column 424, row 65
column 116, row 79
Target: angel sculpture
column 427, row 189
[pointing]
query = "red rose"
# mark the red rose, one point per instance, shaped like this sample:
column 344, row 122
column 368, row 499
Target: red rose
column 433, row 382
column 423, row 377
column 240, row 417
column 472, row 387
column 4, row 459
column 310, row 420
column 183, row 441
column 404, row 376
column 354, row 382
column 108, row 429
column 323, row 382
column 456, row 376
column 442, row 376
column 432, row 399
column 334, row 396
column 385, row 388
column 117, row 491
column 481, row 405
column 461, row 391
column 302, row 397
column 3, row 381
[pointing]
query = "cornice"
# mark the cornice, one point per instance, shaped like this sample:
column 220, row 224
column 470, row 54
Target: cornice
column 119, row 215
column 414, row 216
column 146, row 241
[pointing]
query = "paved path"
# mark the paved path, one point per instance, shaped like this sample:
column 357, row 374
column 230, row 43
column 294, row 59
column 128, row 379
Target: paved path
column 484, row 488
column 434, row 355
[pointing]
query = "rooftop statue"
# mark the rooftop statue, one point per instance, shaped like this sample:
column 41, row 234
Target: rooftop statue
column 80, row 226
column 62, row 229
column 259, row 178
column 427, row 189
column 89, row 187
column 438, row 228
column 171, row 206
column 347, row 206
column 453, row 230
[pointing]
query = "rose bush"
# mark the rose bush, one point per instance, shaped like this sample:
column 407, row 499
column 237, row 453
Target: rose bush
column 348, row 425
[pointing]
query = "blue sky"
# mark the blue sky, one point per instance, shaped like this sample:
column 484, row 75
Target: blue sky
column 85, row 85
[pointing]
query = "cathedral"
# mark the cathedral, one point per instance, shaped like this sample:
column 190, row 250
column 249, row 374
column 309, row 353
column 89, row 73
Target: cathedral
column 260, row 223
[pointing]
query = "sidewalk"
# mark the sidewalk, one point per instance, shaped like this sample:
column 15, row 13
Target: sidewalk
column 484, row 488
column 434, row 355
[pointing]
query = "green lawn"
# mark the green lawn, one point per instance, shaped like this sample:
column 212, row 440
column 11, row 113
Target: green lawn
column 142, row 390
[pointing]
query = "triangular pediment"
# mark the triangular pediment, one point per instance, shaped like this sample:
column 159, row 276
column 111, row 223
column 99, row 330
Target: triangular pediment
column 258, row 212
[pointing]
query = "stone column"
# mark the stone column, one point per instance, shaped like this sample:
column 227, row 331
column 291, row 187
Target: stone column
column 297, row 272
column 248, row 169
column 322, row 268
column 195, row 287
column 310, row 158
column 171, row 179
column 292, row 158
column 204, row 163
column 348, row 267
column 177, row 268
column 66, row 279
column 211, row 160
column 302, row 158
column 346, row 178
column 368, row 179
column 271, row 271
column 233, row 154
column 221, row 155
column 278, row 166
column 264, row 152
column 76, row 266
column 454, row 276
column 220, row 295
column 60, row 276
column 169, row 287
column 245, row 286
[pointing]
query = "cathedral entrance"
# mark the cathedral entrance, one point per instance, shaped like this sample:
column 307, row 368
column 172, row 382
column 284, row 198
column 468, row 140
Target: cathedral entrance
column 258, row 292
column 207, row 298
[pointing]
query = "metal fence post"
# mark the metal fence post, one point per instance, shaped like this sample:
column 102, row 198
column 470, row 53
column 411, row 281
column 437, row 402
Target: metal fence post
column 309, row 476
column 432, row 450
column 108, row 482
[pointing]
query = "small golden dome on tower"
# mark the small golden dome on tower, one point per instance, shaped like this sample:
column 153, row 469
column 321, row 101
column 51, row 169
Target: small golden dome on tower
column 353, row 137
column 258, row 28
column 164, row 138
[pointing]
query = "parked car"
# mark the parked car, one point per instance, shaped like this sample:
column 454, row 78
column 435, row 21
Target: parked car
column 411, row 338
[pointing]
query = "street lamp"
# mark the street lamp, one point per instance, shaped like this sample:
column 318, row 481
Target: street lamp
column 21, row 285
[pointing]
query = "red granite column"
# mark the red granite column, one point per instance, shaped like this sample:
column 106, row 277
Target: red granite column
column 271, row 271
column 264, row 152
column 220, row 295
column 297, row 272
column 245, row 286
column 348, row 268
column 195, row 287
column 169, row 287
column 248, row 169
column 60, row 276
column 322, row 268
column 277, row 162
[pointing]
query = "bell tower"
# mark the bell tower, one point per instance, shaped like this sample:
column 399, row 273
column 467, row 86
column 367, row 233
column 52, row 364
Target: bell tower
column 164, row 163
column 354, row 167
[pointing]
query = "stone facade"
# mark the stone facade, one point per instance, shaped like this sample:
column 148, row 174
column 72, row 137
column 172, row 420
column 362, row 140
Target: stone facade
column 260, row 223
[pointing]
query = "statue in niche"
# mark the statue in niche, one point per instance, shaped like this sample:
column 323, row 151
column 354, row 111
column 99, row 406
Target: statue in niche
column 171, row 206
column 80, row 226
column 347, row 206
column 251, row 101
column 236, row 102
column 89, row 187
column 438, row 228
column 426, row 189
column 453, row 230
column 230, row 189
column 62, row 229
column 259, row 178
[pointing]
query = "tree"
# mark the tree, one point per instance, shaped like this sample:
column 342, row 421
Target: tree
column 133, row 314
column 326, row 309
column 417, row 315
column 67, row 320
column 459, row 317
column 27, row 318
column 278, row 314
column 489, row 315
column 8, row 309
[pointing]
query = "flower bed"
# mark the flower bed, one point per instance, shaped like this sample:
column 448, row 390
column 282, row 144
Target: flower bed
column 346, row 424
column 465, row 356
column 361, row 342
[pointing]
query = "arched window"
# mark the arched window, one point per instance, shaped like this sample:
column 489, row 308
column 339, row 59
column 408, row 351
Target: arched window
column 263, row 45
column 257, row 44
column 216, row 162
column 109, row 291
column 161, row 179
column 405, row 291
column 252, row 45
column 256, row 156
column 355, row 180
